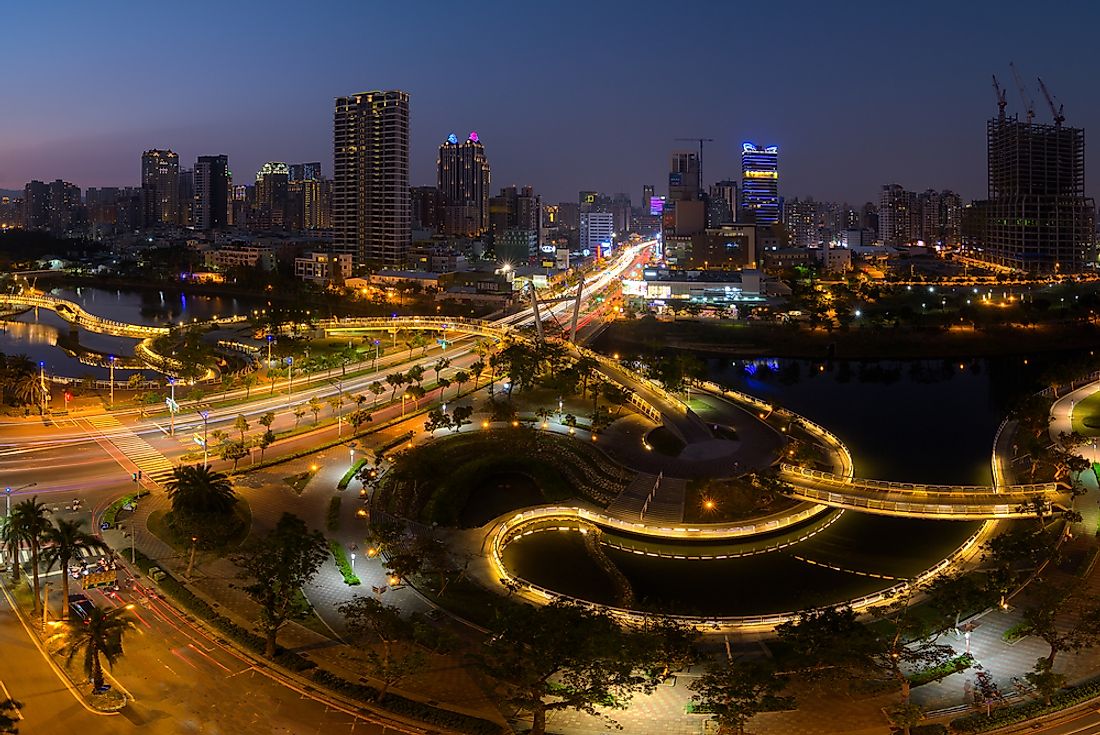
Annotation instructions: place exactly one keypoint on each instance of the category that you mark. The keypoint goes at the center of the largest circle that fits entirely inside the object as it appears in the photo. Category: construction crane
(1002, 99)
(700, 141)
(1059, 118)
(1029, 105)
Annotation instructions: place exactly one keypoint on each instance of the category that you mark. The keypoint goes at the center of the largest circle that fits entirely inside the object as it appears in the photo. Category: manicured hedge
(342, 563)
(350, 474)
(332, 519)
(947, 668)
(1003, 716)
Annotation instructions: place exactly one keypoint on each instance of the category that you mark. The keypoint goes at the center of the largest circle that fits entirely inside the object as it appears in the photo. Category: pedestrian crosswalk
(153, 465)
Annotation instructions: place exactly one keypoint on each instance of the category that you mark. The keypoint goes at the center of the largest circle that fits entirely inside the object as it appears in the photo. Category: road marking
(10, 698)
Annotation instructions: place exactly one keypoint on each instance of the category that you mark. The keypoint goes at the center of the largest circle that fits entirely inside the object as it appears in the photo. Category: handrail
(544, 595)
(1028, 490)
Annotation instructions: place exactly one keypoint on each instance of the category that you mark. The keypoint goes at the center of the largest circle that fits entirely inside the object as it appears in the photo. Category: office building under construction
(1038, 217)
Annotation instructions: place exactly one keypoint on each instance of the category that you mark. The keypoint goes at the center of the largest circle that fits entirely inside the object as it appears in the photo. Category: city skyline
(572, 122)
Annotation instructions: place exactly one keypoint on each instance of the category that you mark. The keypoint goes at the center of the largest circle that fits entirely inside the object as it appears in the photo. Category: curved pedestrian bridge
(75, 314)
(915, 500)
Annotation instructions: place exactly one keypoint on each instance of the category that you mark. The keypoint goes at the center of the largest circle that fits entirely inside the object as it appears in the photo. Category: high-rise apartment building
(36, 206)
(427, 208)
(896, 213)
(271, 194)
(800, 219)
(722, 203)
(213, 187)
(160, 185)
(371, 207)
(760, 183)
(1039, 219)
(463, 182)
(648, 192)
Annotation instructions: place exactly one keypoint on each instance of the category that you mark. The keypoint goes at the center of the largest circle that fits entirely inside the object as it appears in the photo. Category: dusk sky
(565, 95)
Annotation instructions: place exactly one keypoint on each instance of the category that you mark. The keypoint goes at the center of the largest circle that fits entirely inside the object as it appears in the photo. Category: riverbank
(859, 343)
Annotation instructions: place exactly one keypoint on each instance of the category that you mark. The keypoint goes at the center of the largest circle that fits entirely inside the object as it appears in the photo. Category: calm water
(36, 334)
(927, 421)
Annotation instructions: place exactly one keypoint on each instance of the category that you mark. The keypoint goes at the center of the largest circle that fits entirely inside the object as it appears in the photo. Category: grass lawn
(1086, 416)
(299, 481)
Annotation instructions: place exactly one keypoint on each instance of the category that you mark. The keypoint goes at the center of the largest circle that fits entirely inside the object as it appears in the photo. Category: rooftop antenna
(1056, 112)
(1029, 105)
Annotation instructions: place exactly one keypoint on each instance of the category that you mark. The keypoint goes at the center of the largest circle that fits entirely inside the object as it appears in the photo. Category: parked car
(81, 606)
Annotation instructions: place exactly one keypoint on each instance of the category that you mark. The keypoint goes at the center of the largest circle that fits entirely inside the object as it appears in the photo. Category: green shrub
(111, 514)
(342, 563)
(350, 474)
(947, 668)
(1015, 633)
(1003, 716)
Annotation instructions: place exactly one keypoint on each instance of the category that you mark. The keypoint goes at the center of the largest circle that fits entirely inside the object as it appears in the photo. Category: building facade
(1040, 220)
(760, 183)
(463, 183)
(371, 207)
(213, 188)
(160, 185)
(597, 232)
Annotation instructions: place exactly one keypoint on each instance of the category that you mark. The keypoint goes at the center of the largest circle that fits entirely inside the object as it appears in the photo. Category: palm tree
(97, 637)
(377, 389)
(65, 540)
(315, 408)
(395, 380)
(461, 377)
(197, 489)
(30, 523)
(476, 370)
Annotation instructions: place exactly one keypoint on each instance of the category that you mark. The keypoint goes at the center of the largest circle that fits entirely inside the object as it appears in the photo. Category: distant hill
(13, 193)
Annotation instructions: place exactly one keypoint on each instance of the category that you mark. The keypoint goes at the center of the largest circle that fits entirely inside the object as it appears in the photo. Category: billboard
(656, 206)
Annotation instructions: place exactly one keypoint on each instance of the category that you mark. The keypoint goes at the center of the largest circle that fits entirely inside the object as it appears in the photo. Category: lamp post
(8, 491)
(172, 408)
(205, 417)
(289, 374)
(270, 339)
(191, 563)
(111, 365)
(374, 365)
(42, 384)
(404, 397)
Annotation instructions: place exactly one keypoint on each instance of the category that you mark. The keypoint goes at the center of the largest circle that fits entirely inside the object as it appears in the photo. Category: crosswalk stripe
(151, 462)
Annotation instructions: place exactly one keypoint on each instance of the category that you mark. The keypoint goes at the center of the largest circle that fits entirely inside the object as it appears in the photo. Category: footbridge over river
(75, 314)
(915, 500)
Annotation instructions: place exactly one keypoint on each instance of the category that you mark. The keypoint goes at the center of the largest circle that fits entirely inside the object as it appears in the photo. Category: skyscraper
(760, 183)
(271, 194)
(722, 203)
(212, 191)
(683, 177)
(160, 177)
(36, 205)
(1040, 220)
(896, 213)
(371, 207)
(463, 179)
(800, 221)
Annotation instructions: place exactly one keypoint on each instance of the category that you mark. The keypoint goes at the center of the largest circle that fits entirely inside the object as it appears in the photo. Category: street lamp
(404, 397)
(42, 384)
(374, 365)
(270, 339)
(289, 374)
(205, 417)
(172, 408)
(111, 365)
(8, 491)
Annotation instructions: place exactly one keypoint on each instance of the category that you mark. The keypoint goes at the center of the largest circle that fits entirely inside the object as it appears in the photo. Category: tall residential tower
(371, 207)
(160, 181)
(463, 179)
